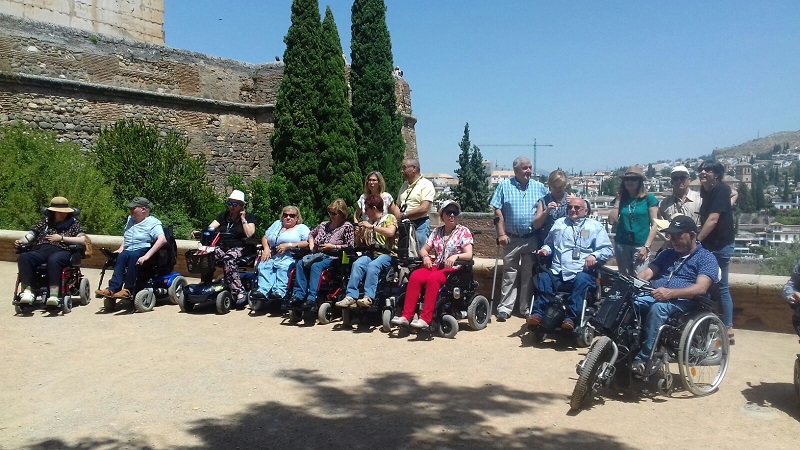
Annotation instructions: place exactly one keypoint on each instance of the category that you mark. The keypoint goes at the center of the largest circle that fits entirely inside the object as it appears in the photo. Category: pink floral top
(445, 247)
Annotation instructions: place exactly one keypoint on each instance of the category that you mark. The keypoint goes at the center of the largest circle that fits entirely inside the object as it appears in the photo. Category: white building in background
(779, 234)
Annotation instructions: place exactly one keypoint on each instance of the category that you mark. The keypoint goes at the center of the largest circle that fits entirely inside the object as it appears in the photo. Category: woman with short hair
(281, 237)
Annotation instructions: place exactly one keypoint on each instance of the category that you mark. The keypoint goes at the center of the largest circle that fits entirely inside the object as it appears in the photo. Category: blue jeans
(367, 269)
(126, 270)
(307, 287)
(551, 284)
(655, 314)
(423, 230)
(723, 256)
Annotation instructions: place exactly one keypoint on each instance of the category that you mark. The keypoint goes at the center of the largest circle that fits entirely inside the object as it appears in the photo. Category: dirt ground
(164, 379)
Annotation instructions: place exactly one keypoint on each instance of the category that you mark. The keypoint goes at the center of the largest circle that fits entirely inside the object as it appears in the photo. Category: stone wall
(73, 82)
(141, 20)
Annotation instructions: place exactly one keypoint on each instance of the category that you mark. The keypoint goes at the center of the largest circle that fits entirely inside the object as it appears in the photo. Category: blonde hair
(557, 178)
(297, 211)
(381, 183)
(339, 206)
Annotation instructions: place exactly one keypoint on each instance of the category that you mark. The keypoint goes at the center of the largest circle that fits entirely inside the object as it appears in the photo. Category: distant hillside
(760, 145)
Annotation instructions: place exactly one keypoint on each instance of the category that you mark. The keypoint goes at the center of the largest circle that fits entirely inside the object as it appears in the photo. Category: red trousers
(432, 279)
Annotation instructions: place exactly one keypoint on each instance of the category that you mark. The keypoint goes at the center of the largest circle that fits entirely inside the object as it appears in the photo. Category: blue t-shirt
(676, 272)
(141, 235)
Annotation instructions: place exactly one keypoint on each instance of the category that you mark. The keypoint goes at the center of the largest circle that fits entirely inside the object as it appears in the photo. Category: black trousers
(56, 258)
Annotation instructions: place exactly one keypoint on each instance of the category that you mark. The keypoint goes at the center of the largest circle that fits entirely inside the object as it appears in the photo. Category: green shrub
(36, 168)
(782, 262)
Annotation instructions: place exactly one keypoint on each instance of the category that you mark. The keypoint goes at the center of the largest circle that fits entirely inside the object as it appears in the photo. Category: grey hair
(520, 160)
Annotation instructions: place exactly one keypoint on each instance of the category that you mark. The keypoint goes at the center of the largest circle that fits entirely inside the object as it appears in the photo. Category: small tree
(787, 194)
(745, 202)
(651, 171)
(472, 191)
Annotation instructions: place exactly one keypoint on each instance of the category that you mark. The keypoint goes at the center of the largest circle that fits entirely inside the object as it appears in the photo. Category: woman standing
(635, 217)
(373, 184)
(327, 237)
(717, 229)
(276, 260)
(552, 206)
(448, 243)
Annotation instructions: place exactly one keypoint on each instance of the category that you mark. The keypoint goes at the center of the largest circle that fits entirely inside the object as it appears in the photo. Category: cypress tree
(294, 142)
(472, 192)
(379, 133)
(338, 165)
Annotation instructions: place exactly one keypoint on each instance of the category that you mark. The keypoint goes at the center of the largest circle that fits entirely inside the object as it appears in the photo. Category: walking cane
(494, 277)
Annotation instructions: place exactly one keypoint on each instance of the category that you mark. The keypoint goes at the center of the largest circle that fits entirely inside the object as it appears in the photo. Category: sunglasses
(451, 212)
(289, 216)
(333, 213)
(705, 169)
(574, 208)
(631, 179)
(679, 178)
(234, 204)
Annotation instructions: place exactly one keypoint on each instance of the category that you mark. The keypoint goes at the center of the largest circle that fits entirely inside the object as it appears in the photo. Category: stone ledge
(758, 303)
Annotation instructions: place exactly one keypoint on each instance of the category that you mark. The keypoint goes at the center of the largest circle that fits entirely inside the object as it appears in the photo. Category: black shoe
(309, 304)
(295, 302)
(502, 316)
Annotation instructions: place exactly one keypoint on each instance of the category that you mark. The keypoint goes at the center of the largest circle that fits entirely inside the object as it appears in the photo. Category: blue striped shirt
(517, 205)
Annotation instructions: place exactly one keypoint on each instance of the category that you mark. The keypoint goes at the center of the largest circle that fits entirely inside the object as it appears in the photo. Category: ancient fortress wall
(141, 20)
(72, 82)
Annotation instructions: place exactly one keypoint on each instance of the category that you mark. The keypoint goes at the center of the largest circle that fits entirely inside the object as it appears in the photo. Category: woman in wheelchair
(281, 237)
(326, 238)
(677, 275)
(449, 243)
(50, 237)
(377, 233)
(237, 224)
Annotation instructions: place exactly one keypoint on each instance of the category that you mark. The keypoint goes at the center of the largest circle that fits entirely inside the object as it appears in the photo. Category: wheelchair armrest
(464, 263)
(23, 248)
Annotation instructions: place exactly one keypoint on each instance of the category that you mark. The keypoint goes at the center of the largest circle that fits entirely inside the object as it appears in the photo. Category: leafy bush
(138, 160)
(782, 262)
(36, 168)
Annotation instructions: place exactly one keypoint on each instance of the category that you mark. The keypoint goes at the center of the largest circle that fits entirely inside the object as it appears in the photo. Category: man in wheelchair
(678, 275)
(577, 245)
(141, 231)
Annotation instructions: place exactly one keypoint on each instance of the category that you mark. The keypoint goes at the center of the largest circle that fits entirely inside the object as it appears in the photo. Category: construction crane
(535, 145)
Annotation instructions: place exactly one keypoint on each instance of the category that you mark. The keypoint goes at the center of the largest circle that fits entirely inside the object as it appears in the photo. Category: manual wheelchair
(457, 299)
(73, 284)
(696, 340)
(154, 280)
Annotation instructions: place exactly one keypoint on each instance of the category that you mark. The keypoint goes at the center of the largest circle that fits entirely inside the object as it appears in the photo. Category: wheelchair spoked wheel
(703, 354)
(85, 292)
(66, 304)
(144, 300)
(478, 313)
(223, 302)
(448, 327)
(177, 290)
(325, 313)
(588, 382)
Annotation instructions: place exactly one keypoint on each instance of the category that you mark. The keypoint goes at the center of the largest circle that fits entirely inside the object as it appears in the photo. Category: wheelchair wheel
(478, 312)
(295, 315)
(109, 304)
(325, 313)
(185, 305)
(310, 316)
(66, 304)
(797, 379)
(177, 289)
(587, 383)
(144, 300)
(386, 318)
(85, 292)
(585, 334)
(448, 327)
(347, 318)
(703, 354)
(223, 302)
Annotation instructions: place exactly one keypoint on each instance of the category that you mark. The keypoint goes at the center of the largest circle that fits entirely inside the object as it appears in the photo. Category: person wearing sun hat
(635, 217)
(141, 239)
(51, 237)
(450, 242)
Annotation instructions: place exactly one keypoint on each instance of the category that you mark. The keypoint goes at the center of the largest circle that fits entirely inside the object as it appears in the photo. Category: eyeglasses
(631, 178)
(451, 212)
(234, 204)
(407, 167)
(705, 169)
(574, 208)
(674, 179)
(289, 216)
(333, 213)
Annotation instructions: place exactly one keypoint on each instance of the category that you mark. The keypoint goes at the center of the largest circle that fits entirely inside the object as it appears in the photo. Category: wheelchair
(74, 286)
(457, 299)
(556, 309)
(272, 303)
(331, 286)
(696, 340)
(204, 262)
(155, 279)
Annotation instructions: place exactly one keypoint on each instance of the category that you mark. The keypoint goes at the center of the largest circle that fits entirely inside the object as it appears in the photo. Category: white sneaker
(419, 323)
(346, 302)
(364, 302)
(52, 301)
(399, 321)
(26, 297)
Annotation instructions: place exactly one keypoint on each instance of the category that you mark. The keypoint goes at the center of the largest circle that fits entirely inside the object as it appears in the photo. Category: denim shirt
(587, 236)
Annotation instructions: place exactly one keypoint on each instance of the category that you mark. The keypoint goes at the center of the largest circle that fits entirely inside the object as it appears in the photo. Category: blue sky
(608, 84)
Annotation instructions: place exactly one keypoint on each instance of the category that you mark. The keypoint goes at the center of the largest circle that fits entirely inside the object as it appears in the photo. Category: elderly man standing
(683, 200)
(415, 199)
(514, 202)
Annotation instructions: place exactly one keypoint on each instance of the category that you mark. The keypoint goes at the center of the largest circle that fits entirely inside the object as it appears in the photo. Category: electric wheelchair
(155, 279)
(332, 284)
(696, 340)
(74, 287)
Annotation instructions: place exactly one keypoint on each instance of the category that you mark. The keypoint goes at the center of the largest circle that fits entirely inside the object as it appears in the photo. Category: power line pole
(535, 146)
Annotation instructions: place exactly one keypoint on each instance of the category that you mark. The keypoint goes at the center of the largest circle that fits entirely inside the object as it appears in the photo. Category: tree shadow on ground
(780, 396)
(391, 410)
